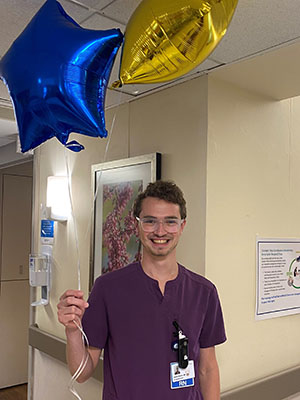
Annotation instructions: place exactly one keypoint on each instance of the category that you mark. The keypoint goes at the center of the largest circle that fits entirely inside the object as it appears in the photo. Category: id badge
(180, 377)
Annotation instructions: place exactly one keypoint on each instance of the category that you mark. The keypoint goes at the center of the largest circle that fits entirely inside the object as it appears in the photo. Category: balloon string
(74, 221)
(82, 365)
(84, 337)
(101, 171)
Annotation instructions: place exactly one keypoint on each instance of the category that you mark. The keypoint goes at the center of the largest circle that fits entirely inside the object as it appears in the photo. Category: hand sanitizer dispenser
(40, 273)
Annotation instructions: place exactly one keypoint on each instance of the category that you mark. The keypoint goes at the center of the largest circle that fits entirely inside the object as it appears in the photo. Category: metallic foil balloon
(165, 39)
(57, 74)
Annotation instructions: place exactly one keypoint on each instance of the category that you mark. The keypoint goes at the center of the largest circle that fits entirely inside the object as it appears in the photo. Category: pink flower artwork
(120, 243)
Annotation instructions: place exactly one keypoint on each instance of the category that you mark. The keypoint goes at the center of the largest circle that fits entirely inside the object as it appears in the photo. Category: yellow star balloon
(165, 39)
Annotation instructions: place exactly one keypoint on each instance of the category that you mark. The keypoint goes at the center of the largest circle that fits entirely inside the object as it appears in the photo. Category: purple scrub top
(132, 321)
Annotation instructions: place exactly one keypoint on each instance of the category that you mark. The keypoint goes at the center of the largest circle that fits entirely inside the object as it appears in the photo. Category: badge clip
(181, 346)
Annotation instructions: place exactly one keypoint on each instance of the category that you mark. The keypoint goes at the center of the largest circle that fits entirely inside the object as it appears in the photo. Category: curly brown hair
(164, 190)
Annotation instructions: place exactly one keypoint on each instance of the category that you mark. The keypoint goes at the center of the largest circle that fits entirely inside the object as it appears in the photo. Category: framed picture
(116, 185)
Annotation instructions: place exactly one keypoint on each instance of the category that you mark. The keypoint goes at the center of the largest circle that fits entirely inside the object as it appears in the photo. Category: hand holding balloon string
(71, 308)
(72, 305)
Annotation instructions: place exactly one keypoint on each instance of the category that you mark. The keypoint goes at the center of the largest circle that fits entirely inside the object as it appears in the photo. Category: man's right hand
(71, 307)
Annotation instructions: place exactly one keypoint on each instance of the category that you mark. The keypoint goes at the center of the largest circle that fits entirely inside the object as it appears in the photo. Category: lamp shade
(58, 199)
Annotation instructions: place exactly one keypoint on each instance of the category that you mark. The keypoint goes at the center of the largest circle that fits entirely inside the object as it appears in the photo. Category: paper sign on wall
(278, 277)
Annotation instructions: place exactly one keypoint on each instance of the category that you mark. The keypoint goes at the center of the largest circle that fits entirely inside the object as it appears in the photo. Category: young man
(145, 314)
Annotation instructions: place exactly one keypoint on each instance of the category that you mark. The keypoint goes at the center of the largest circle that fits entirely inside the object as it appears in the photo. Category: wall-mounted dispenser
(40, 273)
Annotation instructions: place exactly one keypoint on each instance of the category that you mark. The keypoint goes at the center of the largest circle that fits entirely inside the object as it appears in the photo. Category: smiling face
(159, 243)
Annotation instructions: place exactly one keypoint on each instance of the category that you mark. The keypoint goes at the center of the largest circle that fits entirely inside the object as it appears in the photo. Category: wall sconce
(58, 199)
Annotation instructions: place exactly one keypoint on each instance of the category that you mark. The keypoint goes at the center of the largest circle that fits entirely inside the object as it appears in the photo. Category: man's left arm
(209, 374)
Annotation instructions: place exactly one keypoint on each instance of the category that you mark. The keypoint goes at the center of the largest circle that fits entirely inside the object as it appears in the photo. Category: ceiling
(257, 28)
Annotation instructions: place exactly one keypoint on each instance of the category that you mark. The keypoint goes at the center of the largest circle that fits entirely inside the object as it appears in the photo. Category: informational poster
(278, 277)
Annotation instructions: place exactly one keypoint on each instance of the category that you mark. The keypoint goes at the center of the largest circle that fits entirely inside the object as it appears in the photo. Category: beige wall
(235, 156)
(172, 122)
(8, 154)
(55, 160)
(51, 379)
(253, 188)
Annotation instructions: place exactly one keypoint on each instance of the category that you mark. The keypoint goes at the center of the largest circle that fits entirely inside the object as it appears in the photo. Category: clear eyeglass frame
(170, 225)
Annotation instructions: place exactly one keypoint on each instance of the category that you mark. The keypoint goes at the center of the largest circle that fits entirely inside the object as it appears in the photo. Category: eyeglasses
(151, 224)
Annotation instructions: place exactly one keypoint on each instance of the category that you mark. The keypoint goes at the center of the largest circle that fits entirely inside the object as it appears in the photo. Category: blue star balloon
(57, 75)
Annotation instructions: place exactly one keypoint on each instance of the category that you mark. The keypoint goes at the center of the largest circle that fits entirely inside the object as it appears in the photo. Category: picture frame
(115, 185)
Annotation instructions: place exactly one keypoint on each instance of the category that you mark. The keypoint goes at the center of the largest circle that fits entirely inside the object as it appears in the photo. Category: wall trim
(56, 348)
(275, 387)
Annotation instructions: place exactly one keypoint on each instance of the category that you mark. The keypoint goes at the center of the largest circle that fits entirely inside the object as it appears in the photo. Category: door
(14, 289)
